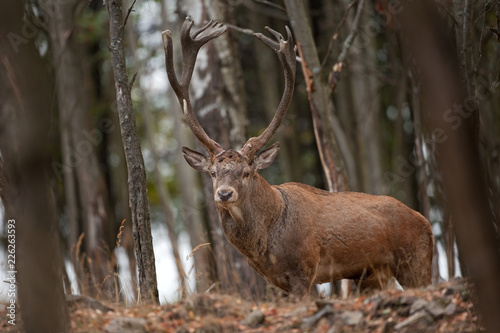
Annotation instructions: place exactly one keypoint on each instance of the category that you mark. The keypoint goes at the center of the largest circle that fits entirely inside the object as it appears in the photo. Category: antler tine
(286, 54)
(191, 44)
(169, 62)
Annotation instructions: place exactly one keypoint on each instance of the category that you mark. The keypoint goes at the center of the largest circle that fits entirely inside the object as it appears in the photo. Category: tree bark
(28, 198)
(456, 152)
(268, 74)
(422, 165)
(464, 12)
(220, 108)
(163, 193)
(489, 106)
(343, 118)
(365, 102)
(318, 95)
(192, 201)
(138, 199)
(117, 182)
(87, 198)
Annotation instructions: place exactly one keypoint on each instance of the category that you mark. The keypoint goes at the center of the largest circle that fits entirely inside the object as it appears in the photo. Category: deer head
(232, 171)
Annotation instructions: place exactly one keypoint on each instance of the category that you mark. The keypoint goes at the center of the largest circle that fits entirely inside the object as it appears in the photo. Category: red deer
(293, 234)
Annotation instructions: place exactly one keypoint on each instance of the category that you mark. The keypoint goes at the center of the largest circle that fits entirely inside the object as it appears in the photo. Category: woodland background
(397, 102)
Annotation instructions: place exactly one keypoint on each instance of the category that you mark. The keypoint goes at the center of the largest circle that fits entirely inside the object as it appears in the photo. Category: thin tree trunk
(318, 95)
(449, 244)
(401, 187)
(421, 165)
(268, 76)
(164, 196)
(118, 183)
(366, 104)
(343, 117)
(138, 199)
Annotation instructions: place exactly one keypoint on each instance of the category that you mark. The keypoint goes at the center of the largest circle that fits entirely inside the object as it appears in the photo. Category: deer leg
(301, 279)
(420, 266)
(300, 286)
(377, 278)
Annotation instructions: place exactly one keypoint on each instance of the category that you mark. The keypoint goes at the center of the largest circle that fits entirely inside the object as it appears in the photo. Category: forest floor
(445, 307)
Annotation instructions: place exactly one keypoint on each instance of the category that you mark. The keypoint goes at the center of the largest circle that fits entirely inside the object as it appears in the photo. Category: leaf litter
(445, 307)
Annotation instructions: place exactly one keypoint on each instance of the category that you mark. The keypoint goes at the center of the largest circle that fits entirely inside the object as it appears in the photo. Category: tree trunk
(192, 208)
(464, 29)
(401, 186)
(336, 33)
(318, 95)
(488, 97)
(164, 196)
(138, 199)
(30, 208)
(118, 188)
(366, 104)
(188, 183)
(87, 197)
(421, 165)
(221, 109)
(269, 76)
(456, 152)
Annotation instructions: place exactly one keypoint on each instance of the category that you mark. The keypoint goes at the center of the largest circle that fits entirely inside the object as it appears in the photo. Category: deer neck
(246, 224)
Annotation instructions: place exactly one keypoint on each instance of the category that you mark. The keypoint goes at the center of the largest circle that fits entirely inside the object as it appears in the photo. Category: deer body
(296, 235)
(293, 234)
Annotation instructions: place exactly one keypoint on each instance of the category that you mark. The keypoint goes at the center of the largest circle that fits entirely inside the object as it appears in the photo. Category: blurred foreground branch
(457, 152)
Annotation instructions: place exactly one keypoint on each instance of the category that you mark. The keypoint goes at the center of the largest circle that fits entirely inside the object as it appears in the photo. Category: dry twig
(196, 249)
(336, 33)
(120, 232)
(334, 76)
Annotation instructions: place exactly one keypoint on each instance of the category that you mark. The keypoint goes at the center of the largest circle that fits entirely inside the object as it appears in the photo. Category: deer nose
(225, 195)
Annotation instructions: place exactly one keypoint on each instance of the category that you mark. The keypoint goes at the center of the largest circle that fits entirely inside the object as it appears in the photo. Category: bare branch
(496, 30)
(263, 8)
(128, 13)
(334, 76)
(245, 31)
(336, 182)
(270, 4)
(132, 81)
(336, 33)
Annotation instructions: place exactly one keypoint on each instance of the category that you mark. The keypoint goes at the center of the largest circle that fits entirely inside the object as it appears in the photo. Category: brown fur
(296, 235)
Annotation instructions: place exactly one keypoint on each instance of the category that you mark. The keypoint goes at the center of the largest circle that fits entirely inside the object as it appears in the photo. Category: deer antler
(286, 54)
(191, 44)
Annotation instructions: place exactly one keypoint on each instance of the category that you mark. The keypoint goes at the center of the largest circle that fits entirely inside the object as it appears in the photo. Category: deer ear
(266, 158)
(196, 160)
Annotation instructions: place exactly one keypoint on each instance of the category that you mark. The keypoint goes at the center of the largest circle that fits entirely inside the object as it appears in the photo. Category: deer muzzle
(225, 195)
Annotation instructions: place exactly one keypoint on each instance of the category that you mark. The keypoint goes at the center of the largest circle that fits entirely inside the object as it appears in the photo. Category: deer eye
(246, 174)
(212, 174)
